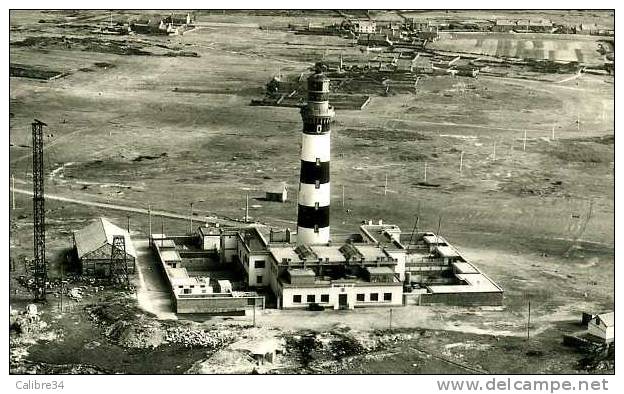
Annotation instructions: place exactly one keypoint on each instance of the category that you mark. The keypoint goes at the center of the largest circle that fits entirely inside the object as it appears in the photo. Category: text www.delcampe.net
(509, 384)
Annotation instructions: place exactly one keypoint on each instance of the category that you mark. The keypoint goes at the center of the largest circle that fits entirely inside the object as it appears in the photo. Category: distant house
(93, 245)
(504, 25)
(147, 26)
(178, 19)
(374, 40)
(277, 193)
(603, 326)
(418, 25)
(587, 28)
(364, 26)
(541, 26)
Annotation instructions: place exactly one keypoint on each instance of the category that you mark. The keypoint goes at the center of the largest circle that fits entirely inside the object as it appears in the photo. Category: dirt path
(117, 207)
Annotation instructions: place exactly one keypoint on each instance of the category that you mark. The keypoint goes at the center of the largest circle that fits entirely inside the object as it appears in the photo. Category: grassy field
(535, 214)
(556, 47)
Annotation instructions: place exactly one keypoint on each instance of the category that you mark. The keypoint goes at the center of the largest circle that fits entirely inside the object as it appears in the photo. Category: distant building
(523, 25)
(418, 25)
(504, 25)
(587, 28)
(374, 40)
(93, 245)
(603, 326)
(277, 193)
(364, 26)
(541, 26)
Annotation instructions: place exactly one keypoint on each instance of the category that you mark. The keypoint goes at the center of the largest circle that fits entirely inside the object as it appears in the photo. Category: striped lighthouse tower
(314, 193)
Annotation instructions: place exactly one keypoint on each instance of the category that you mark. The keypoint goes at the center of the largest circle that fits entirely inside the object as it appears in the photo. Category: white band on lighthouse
(315, 147)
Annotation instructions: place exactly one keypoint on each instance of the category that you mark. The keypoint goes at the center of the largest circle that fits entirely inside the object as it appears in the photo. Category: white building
(603, 326)
(364, 26)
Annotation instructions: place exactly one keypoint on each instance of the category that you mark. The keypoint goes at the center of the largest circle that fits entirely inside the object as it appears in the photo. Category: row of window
(310, 298)
(360, 297)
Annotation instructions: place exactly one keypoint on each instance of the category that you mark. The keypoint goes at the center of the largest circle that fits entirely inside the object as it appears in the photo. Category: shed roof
(330, 253)
(446, 251)
(380, 270)
(434, 240)
(98, 234)
(608, 319)
(371, 252)
(301, 272)
(170, 255)
(464, 268)
(286, 252)
(277, 188)
(209, 230)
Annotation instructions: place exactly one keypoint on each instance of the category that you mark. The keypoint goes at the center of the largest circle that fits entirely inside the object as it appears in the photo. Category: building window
(324, 297)
(319, 128)
(259, 279)
(186, 291)
(374, 297)
(310, 298)
(260, 264)
(387, 296)
(318, 162)
(360, 297)
(317, 184)
(297, 298)
(316, 230)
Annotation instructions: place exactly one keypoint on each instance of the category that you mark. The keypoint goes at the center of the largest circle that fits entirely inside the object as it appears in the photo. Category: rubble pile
(144, 335)
(26, 323)
(190, 337)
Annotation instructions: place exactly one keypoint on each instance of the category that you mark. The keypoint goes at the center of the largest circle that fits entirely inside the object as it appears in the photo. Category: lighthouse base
(307, 236)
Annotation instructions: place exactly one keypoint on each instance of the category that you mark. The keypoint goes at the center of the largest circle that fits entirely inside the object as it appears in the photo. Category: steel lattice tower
(118, 263)
(40, 269)
(314, 186)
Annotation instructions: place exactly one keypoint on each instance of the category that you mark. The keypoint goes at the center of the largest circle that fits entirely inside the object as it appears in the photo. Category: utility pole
(128, 225)
(149, 215)
(62, 288)
(461, 162)
(13, 191)
(524, 141)
(162, 231)
(246, 207)
(191, 220)
(40, 265)
(494, 154)
(425, 172)
(254, 312)
(552, 138)
(343, 196)
(386, 186)
(529, 322)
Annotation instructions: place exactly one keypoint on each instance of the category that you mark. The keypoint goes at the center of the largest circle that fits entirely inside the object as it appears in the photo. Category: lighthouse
(314, 190)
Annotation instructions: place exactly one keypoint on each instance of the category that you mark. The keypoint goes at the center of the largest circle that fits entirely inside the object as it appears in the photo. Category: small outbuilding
(603, 326)
(277, 193)
(93, 245)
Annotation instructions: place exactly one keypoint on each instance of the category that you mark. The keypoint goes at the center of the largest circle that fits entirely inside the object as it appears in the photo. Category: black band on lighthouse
(309, 217)
(312, 126)
(318, 96)
(311, 172)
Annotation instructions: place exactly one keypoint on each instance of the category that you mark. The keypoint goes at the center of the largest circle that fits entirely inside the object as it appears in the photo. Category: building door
(342, 301)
